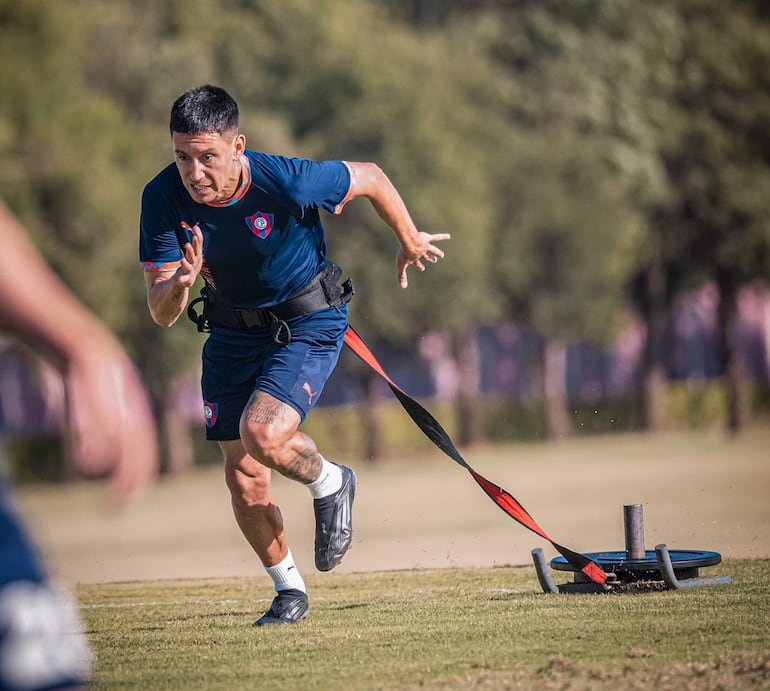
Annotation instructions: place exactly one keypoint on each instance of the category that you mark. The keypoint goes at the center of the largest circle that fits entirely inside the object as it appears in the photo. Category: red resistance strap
(436, 433)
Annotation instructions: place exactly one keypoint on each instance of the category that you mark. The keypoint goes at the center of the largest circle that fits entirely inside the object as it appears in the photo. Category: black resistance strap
(436, 433)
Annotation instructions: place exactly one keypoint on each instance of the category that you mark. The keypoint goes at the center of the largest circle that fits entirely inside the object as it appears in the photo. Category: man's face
(209, 164)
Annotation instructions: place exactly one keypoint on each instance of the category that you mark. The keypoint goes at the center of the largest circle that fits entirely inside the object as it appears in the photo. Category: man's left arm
(416, 247)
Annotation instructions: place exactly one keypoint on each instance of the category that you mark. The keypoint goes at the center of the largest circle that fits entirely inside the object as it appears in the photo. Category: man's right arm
(168, 291)
(166, 297)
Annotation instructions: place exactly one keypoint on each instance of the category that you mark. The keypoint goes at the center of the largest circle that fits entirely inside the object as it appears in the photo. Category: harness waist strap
(322, 292)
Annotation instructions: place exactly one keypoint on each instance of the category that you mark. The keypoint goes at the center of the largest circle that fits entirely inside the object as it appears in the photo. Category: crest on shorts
(210, 412)
(261, 224)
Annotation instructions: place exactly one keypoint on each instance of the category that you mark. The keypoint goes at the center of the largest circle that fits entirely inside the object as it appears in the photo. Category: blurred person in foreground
(249, 224)
(110, 431)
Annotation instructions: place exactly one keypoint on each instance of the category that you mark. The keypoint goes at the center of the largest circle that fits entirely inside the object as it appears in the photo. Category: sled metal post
(633, 521)
(670, 578)
(543, 574)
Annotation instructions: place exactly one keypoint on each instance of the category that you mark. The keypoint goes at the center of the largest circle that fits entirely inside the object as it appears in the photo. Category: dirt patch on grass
(744, 671)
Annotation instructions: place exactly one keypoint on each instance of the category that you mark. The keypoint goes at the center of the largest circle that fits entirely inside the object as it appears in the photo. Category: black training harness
(322, 292)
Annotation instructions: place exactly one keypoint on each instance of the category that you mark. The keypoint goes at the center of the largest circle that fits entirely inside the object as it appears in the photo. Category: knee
(263, 442)
(248, 488)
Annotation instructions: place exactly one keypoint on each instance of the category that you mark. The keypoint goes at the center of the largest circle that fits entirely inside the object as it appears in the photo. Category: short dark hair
(204, 109)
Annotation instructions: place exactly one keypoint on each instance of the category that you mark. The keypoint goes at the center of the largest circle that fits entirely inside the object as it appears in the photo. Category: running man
(249, 224)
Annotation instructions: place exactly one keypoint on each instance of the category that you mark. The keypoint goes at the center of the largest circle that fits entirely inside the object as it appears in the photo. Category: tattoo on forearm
(176, 293)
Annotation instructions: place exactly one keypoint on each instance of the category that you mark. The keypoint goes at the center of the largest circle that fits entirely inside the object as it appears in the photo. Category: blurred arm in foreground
(110, 426)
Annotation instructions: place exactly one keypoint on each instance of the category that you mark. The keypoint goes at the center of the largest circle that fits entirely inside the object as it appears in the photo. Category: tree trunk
(554, 363)
(468, 395)
(175, 440)
(372, 425)
(735, 378)
(179, 453)
(656, 315)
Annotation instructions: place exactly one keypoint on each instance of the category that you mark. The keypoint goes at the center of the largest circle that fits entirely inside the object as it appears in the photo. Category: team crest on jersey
(210, 412)
(260, 224)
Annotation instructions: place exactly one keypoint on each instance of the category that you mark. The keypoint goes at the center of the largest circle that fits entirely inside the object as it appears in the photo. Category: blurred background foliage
(591, 158)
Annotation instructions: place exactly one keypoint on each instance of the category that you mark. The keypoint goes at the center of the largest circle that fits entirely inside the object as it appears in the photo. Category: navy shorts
(237, 363)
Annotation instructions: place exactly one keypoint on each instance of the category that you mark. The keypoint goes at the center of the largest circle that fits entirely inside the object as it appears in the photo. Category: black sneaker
(288, 607)
(334, 523)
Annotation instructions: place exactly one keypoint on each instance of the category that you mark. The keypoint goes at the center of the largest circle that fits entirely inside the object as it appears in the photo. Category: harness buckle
(280, 331)
(200, 320)
(348, 291)
(335, 293)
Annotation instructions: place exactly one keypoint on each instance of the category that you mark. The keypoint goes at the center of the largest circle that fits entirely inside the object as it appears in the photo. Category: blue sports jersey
(261, 247)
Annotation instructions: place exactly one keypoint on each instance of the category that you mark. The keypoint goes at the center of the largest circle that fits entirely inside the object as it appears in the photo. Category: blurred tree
(564, 247)
(717, 157)
(629, 108)
(565, 232)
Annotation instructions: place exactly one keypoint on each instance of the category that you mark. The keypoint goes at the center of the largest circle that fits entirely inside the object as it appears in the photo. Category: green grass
(435, 629)
(433, 594)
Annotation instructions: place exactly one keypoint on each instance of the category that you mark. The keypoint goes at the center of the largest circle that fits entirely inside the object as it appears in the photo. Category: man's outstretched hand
(425, 252)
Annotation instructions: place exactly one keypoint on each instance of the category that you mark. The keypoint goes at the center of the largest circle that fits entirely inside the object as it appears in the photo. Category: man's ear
(239, 145)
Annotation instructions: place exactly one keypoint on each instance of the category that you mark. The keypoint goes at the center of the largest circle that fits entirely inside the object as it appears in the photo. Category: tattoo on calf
(305, 468)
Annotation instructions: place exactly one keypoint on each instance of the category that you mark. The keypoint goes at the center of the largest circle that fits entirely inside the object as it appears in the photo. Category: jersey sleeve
(159, 248)
(303, 184)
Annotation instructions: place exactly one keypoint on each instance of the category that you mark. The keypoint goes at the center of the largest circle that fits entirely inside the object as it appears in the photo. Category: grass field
(435, 629)
(438, 590)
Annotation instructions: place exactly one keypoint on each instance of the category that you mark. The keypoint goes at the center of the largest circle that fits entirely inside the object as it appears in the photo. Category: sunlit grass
(448, 628)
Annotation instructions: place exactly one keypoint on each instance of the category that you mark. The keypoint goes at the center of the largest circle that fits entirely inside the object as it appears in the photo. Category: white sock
(286, 575)
(328, 482)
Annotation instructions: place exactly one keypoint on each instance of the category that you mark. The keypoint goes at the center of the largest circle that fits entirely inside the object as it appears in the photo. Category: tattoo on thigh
(263, 414)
